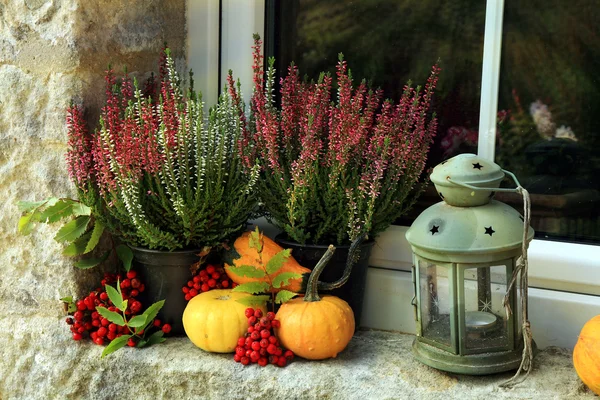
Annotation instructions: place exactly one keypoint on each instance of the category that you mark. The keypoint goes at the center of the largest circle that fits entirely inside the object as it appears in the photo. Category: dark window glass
(549, 97)
(550, 89)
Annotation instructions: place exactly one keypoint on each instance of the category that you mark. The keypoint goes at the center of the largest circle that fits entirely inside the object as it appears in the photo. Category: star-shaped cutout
(477, 166)
(435, 229)
(489, 231)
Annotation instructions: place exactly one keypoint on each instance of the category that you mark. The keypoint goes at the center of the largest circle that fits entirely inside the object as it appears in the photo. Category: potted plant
(163, 178)
(334, 168)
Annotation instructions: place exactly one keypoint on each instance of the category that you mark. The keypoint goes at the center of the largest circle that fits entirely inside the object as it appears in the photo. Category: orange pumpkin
(316, 327)
(242, 254)
(586, 355)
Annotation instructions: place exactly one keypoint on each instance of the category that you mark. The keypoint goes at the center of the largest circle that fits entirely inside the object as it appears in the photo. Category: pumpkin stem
(312, 293)
(353, 256)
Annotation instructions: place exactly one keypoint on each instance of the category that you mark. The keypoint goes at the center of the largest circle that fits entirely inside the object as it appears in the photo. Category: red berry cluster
(211, 277)
(259, 345)
(86, 320)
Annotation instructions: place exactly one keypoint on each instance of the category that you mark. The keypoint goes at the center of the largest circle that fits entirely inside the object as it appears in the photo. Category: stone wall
(53, 52)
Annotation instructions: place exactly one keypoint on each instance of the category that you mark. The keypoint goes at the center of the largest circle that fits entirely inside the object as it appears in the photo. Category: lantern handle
(512, 190)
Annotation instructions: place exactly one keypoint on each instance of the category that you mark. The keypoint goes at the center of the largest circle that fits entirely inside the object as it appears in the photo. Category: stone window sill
(43, 362)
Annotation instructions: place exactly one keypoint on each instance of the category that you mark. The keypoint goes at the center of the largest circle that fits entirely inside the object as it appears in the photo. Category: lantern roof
(486, 233)
(469, 169)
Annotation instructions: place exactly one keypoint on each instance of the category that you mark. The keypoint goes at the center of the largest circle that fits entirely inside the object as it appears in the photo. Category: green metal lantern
(465, 252)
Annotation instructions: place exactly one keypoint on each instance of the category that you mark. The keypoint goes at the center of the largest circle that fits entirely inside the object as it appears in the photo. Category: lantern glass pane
(486, 324)
(435, 302)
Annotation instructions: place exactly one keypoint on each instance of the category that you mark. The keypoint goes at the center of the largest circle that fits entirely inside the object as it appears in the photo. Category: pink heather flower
(79, 158)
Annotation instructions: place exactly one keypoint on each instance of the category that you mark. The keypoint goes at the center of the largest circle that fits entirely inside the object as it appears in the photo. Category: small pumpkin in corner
(586, 355)
(215, 320)
(316, 327)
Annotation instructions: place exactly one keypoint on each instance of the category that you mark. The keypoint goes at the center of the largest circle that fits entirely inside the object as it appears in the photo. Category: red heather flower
(79, 157)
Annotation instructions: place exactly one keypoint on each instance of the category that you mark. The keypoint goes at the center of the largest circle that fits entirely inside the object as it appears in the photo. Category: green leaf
(277, 261)
(254, 301)
(283, 279)
(252, 287)
(284, 295)
(137, 321)
(151, 313)
(115, 296)
(91, 262)
(248, 271)
(156, 337)
(78, 246)
(25, 225)
(25, 206)
(255, 240)
(63, 208)
(81, 209)
(125, 255)
(72, 230)
(115, 345)
(95, 238)
(71, 306)
(112, 316)
(141, 343)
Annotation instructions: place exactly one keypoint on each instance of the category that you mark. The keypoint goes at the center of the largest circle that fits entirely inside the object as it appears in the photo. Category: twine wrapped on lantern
(469, 253)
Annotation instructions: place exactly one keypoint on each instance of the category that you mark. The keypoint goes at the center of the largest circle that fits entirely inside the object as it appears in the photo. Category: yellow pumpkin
(316, 327)
(586, 355)
(215, 320)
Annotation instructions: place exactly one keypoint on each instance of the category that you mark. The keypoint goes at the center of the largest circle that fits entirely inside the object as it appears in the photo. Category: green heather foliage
(335, 165)
(161, 175)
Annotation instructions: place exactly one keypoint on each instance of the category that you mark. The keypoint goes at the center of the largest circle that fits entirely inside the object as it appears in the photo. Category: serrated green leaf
(115, 345)
(277, 261)
(78, 246)
(252, 287)
(73, 229)
(25, 206)
(254, 301)
(95, 237)
(156, 337)
(71, 307)
(151, 313)
(248, 271)
(137, 321)
(125, 255)
(63, 208)
(26, 222)
(283, 279)
(255, 240)
(81, 209)
(284, 295)
(91, 262)
(115, 296)
(112, 316)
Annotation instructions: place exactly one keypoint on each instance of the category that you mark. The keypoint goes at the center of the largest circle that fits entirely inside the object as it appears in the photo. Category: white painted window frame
(565, 277)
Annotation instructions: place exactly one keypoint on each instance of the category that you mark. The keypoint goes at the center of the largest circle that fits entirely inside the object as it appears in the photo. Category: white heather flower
(565, 132)
(543, 119)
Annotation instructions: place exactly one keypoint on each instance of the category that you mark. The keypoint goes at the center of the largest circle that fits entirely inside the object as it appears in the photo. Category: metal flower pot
(164, 273)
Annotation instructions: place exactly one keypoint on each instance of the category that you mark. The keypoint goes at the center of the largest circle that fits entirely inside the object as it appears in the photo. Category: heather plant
(157, 172)
(333, 169)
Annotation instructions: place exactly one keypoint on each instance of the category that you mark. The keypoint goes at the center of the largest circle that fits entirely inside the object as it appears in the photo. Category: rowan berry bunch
(97, 315)
(211, 277)
(259, 345)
